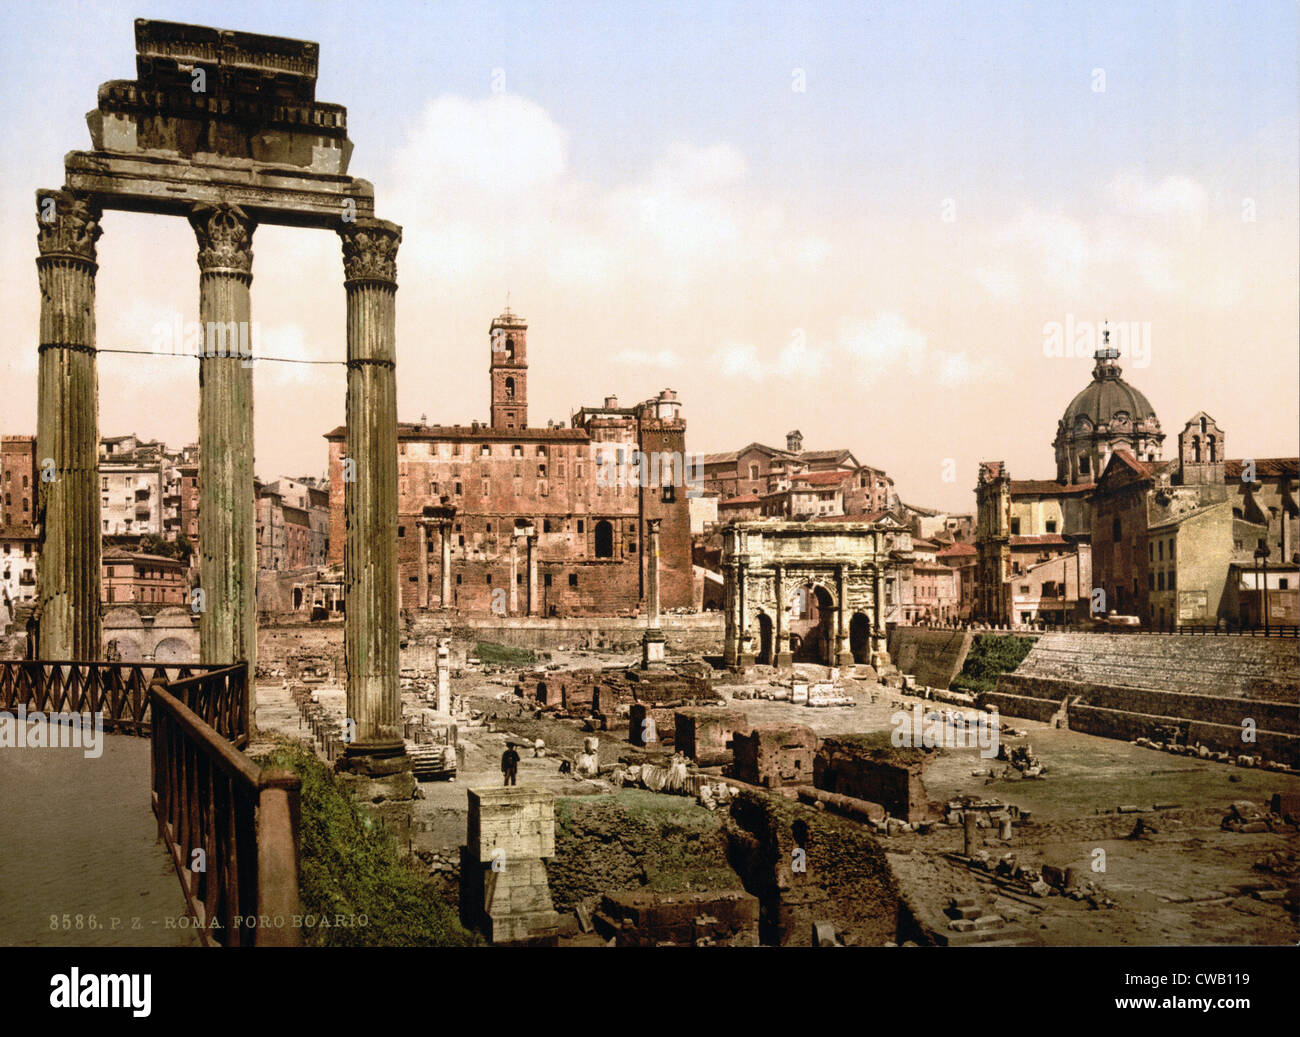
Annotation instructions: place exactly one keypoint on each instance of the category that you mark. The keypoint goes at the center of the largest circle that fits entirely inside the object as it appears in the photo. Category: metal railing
(120, 691)
(230, 826)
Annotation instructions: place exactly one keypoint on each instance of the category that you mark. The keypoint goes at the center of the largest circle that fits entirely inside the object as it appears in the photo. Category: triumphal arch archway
(223, 129)
(811, 591)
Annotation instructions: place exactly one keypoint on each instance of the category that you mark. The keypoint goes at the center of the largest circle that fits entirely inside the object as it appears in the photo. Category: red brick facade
(564, 483)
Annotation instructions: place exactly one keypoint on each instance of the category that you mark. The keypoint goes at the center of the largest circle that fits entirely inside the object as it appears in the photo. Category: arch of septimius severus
(222, 128)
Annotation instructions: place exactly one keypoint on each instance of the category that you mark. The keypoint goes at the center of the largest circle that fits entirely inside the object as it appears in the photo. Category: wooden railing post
(277, 859)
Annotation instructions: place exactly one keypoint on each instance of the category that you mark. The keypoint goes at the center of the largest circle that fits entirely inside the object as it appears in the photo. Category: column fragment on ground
(67, 428)
(227, 518)
(370, 496)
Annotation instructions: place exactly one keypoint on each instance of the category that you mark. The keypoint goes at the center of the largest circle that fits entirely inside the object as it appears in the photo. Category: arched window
(1196, 449)
(1210, 450)
(510, 347)
(604, 540)
(510, 388)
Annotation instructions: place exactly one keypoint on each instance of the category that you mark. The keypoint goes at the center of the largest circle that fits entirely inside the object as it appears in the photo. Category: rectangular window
(580, 525)
(1051, 525)
(546, 580)
(1171, 579)
(573, 579)
(1161, 551)
(1015, 527)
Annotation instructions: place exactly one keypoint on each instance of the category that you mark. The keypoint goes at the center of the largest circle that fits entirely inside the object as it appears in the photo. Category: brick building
(962, 558)
(1174, 541)
(18, 481)
(136, 578)
(1025, 527)
(796, 483)
(540, 520)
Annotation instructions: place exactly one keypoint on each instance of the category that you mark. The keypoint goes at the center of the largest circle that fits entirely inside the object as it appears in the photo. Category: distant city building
(140, 488)
(18, 477)
(1169, 542)
(516, 519)
(1175, 541)
(19, 555)
(795, 483)
(142, 579)
(963, 559)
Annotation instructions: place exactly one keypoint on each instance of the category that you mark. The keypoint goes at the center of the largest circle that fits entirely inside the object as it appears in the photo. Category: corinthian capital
(67, 225)
(225, 235)
(370, 250)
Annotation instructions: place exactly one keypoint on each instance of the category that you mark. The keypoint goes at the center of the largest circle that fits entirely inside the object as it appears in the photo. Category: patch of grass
(991, 655)
(491, 654)
(349, 864)
(636, 839)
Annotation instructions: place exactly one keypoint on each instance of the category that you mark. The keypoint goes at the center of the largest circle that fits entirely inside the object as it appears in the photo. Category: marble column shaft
(652, 573)
(444, 529)
(227, 511)
(422, 530)
(532, 574)
(370, 501)
(66, 496)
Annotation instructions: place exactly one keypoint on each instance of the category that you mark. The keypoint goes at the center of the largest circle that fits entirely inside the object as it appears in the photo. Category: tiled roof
(1033, 487)
(1264, 466)
(958, 549)
(823, 478)
(1040, 540)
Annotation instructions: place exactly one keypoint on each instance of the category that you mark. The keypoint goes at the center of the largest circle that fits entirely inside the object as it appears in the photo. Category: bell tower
(509, 371)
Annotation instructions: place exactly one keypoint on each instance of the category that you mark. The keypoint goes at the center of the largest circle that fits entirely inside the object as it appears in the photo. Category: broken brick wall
(807, 866)
(773, 755)
(859, 766)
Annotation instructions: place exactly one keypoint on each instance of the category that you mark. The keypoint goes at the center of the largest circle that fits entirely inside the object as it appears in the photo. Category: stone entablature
(811, 591)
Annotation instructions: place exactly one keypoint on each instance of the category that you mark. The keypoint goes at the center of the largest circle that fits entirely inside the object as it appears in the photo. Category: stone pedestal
(653, 648)
(503, 885)
(389, 796)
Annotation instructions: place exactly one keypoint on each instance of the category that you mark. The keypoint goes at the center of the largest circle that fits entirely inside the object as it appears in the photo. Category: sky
(873, 223)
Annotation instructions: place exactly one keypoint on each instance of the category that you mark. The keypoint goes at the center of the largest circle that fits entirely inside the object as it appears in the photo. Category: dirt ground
(1189, 882)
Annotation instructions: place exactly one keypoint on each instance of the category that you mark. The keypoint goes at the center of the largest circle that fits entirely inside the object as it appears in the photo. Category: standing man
(510, 765)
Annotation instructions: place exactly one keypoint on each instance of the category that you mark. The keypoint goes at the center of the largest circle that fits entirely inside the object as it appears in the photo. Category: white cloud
(1001, 284)
(886, 344)
(1178, 199)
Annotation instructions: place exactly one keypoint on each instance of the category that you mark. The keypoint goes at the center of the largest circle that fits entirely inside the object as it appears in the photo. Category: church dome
(1107, 415)
(1108, 398)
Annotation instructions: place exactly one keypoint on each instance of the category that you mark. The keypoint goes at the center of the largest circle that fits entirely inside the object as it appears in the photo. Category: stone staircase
(1216, 664)
(972, 925)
